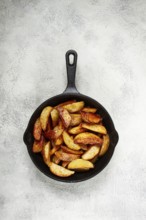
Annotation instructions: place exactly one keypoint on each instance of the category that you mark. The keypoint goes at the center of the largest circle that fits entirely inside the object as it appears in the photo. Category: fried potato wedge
(92, 110)
(65, 116)
(54, 117)
(80, 164)
(76, 130)
(74, 107)
(55, 159)
(90, 117)
(53, 134)
(54, 149)
(38, 145)
(87, 138)
(65, 103)
(65, 163)
(95, 127)
(70, 151)
(37, 130)
(105, 145)
(60, 171)
(45, 116)
(75, 119)
(59, 140)
(66, 156)
(91, 153)
(70, 142)
(46, 153)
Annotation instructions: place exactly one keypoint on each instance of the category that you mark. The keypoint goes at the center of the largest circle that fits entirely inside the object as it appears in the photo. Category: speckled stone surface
(110, 38)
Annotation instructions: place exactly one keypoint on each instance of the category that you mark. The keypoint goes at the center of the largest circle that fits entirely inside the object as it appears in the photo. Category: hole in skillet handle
(71, 64)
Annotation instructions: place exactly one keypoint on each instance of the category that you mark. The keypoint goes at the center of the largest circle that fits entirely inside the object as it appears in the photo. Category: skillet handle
(71, 71)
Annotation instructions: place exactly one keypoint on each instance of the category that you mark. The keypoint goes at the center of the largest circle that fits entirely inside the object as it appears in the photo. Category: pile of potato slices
(70, 137)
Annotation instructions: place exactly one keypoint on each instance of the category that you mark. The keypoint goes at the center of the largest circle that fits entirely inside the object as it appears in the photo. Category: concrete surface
(110, 38)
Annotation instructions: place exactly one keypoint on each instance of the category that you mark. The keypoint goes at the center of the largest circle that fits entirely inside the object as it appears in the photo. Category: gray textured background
(110, 38)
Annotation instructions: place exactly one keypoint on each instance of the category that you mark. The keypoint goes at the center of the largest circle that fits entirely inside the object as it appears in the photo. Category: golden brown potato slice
(75, 119)
(38, 145)
(55, 159)
(92, 110)
(65, 103)
(80, 164)
(70, 151)
(65, 163)
(91, 153)
(105, 145)
(54, 149)
(58, 141)
(54, 117)
(70, 142)
(87, 138)
(74, 107)
(37, 130)
(66, 156)
(95, 127)
(90, 117)
(46, 153)
(45, 116)
(65, 116)
(76, 130)
(53, 134)
(60, 171)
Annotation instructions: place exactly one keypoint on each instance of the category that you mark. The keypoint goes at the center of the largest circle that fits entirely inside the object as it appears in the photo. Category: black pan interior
(100, 163)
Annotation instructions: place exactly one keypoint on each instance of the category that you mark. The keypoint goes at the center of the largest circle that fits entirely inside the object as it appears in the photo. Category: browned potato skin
(65, 103)
(94, 159)
(38, 145)
(65, 163)
(66, 156)
(53, 134)
(90, 117)
(37, 130)
(59, 140)
(60, 124)
(75, 119)
(60, 171)
(105, 145)
(84, 147)
(54, 117)
(54, 149)
(70, 151)
(76, 130)
(65, 116)
(55, 159)
(92, 110)
(87, 138)
(95, 127)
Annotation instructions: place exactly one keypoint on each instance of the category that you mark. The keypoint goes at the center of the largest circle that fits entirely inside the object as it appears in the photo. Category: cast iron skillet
(69, 94)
